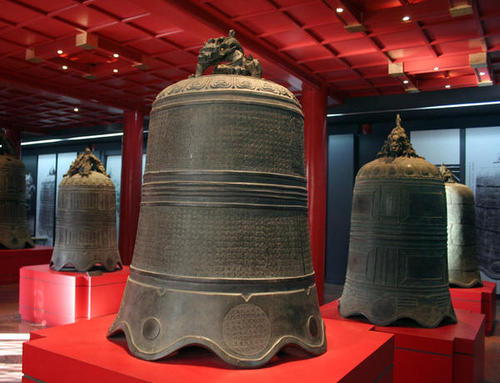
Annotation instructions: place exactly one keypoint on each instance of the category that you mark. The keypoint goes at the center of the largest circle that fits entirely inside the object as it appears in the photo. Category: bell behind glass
(397, 264)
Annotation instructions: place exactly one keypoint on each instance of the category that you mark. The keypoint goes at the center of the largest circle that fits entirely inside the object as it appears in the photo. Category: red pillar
(131, 182)
(314, 102)
(15, 136)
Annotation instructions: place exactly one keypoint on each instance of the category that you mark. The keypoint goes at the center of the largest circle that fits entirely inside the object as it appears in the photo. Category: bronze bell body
(462, 257)
(488, 221)
(14, 230)
(397, 252)
(222, 255)
(86, 218)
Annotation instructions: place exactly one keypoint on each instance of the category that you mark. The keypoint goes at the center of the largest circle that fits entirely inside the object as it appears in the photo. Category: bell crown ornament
(86, 218)
(14, 230)
(397, 251)
(222, 255)
(462, 256)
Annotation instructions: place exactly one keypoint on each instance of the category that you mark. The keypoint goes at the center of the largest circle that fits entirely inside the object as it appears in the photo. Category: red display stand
(452, 353)
(12, 260)
(480, 300)
(53, 298)
(81, 353)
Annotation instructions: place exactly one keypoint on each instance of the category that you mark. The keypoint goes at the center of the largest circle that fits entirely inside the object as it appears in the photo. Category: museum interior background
(77, 73)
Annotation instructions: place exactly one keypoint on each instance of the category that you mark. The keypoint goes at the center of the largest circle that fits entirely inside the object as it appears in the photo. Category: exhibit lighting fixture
(406, 18)
(432, 107)
(115, 70)
(116, 55)
(436, 68)
(405, 81)
(339, 10)
(482, 73)
(77, 138)
(59, 52)
(64, 67)
(75, 109)
(447, 86)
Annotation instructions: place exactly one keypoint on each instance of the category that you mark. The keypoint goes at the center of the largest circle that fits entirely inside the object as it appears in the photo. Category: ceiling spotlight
(64, 67)
(59, 52)
(406, 18)
(436, 68)
(405, 81)
(447, 86)
(482, 73)
(339, 10)
(115, 70)
(116, 55)
(75, 109)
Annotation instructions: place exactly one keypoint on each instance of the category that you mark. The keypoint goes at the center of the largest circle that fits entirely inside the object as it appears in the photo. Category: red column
(131, 182)
(15, 136)
(314, 102)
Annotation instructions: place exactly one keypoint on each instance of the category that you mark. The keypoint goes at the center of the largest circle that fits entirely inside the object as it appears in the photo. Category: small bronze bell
(397, 252)
(222, 255)
(462, 258)
(14, 231)
(86, 218)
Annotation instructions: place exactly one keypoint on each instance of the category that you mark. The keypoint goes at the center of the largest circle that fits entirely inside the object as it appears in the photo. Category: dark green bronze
(462, 258)
(397, 253)
(14, 230)
(222, 255)
(86, 218)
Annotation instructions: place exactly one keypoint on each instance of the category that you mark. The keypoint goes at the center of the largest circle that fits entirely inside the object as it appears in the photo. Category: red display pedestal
(12, 260)
(81, 353)
(480, 300)
(54, 298)
(452, 353)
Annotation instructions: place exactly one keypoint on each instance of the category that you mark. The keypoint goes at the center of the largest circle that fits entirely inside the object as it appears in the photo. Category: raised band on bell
(397, 266)
(222, 255)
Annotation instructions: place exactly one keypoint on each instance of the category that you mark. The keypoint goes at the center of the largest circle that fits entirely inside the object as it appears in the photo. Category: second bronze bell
(397, 265)
(86, 218)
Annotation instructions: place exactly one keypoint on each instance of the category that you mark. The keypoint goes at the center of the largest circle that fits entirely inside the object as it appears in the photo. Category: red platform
(479, 300)
(81, 353)
(54, 298)
(452, 353)
(12, 260)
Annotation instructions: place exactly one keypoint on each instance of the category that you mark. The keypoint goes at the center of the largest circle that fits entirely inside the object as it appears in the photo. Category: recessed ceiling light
(405, 81)
(447, 86)
(436, 68)
(64, 67)
(482, 73)
(339, 10)
(406, 18)
(59, 52)
(115, 70)
(116, 55)
(75, 109)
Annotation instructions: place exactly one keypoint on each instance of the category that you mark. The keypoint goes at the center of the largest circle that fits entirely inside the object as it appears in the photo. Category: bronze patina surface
(14, 230)
(222, 256)
(462, 257)
(86, 218)
(397, 264)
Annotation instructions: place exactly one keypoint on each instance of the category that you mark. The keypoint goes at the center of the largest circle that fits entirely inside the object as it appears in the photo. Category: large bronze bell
(397, 252)
(86, 218)
(222, 255)
(462, 258)
(488, 220)
(14, 230)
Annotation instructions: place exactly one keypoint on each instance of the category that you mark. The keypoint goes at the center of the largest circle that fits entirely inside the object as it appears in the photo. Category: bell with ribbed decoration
(397, 264)
(462, 257)
(14, 230)
(86, 218)
(222, 257)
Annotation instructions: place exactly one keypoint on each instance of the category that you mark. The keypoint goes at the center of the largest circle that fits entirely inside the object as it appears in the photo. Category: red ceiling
(297, 41)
